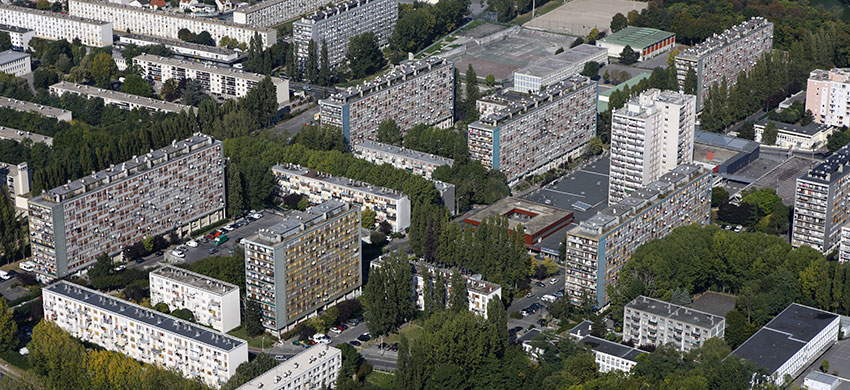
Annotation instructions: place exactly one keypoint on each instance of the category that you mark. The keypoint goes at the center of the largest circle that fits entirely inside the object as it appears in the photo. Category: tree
(747, 131)
(629, 56)
(595, 146)
(690, 84)
(719, 196)
(162, 307)
(388, 295)
(768, 135)
(576, 42)
(193, 93)
(56, 357)
(170, 90)
(136, 85)
(304, 203)
(367, 218)
(325, 75)
(824, 365)
(102, 68)
(292, 66)
(592, 36)
(459, 300)
(42, 5)
(389, 132)
(591, 69)
(235, 200)
(8, 327)
(184, 314)
(837, 140)
(490, 80)
(472, 93)
(807, 118)
(311, 67)
(364, 55)
(606, 77)
(618, 22)
(252, 318)
(43, 78)
(5, 41)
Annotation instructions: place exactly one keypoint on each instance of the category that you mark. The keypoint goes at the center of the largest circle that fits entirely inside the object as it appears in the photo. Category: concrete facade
(56, 26)
(213, 303)
(828, 96)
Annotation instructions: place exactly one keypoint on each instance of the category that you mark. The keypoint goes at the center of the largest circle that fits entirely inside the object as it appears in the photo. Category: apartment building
(413, 93)
(725, 56)
(389, 205)
(828, 96)
(821, 203)
(217, 54)
(218, 80)
(479, 292)
(143, 334)
(119, 99)
(177, 188)
(600, 246)
(305, 264)
(792, 136)
(20, 135)
(40, 109)
(415, 162)
(611, 356)
(20, 36)
(529, 134)
(548, 71)
(647, 42)
(316, 367)
(649, 321)
(270, 13)
(15, 63)
(213, 303)
(56, 26)
(447, 195)
(844, 245)
(652, 134)
(790, 342)
(336, 25)
(147, 21)
(18, 181)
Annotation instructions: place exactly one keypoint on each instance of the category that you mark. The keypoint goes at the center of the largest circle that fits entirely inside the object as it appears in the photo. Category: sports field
(578, 17)
(504, 56)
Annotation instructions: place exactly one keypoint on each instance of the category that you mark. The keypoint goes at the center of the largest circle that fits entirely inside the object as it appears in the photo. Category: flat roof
(14, 29)
(528, 336)
(582, 329)
(637, 37)
(683, 314)
(784, 336)
(724, 141)
(177, 15)
(91, 91)
(584, 191)
(153, 318)
(296, 221)
(831, 169)
(399, 73)
(20, 135)
(194, 279)
(715, 303)
(514, 108)
(611, 348)
(546, 66)
(732, 34)
(353, 185)
(782, 177)
(427, 158)
(205, 67)
(807, 130)
(25, 106)
(9, 56)
(176, 42)
(296, 366)
(539, 216)
(55, 15)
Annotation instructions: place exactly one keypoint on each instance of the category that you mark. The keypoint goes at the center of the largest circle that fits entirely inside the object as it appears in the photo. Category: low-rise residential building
(550, 70)
(521, 134)
(649, 321)
(20, 36)
(178, 188)
(844, 246)
(17, 180)
(600, 246)
(305, 264)
(15, 63)
(316, 367)
(388, 205)
(828, 96)
(120, 99)
(447, 194)
(268, 13)
(147, 21)
(611, 356)
(213, 303)
(218, 80)
(413, 93)
(56, 26)
(20, 135)
(415, 162)
(821, 203)
(217, 54)
(335, 25)
(790, 342)
(144, 334)
(40, 109)
(796, 137)
(646, 42)
(538, 221)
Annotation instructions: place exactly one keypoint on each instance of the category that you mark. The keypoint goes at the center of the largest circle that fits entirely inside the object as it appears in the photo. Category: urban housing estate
(551, 70)
(821, 203)
(177, 188)
(413, 93)
(268, 13)
(415, 162)
(213, 303)
(649, 321)
(308, 262)
(19, 36)
(600, 246)
(316, 367)
(119, 99)
(144, 334)
(828, 96)
(56, 26)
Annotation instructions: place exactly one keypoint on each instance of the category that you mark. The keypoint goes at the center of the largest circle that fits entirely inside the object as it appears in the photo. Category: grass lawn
(15, 359)
(522, 19)
(411, 331)
(380, 380)
(255, 342)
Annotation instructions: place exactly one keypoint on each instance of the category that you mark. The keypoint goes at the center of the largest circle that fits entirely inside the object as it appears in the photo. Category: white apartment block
(40, 109)
(415, 162)
(337, 24)
(218, 80)
(56, 26)
(479, 292)
(20, 135)
(18, 181)
(15, 63)
(119, 99)
(213, 303)
(529, 134)
(187, 49)
(553, 69)
(194, 351)
(269, 13)
(413, 93)
(315, 368)
(20, 36)
(611, 356)
(389, 205)
(725, 56)
(652, 134)
(649, 321)
(164, 24)
(821, 203)
(844, 246)
(828, 96)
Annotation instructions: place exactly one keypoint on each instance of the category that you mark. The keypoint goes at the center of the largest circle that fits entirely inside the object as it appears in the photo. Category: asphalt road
(10, 293)
(520, 303)
(294, 125)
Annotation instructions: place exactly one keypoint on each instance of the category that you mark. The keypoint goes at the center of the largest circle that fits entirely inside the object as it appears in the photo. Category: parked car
(12, 273)
(364, 337)
(394, 347)
(160, 253)
(542, 322)
(257, 215)
(177, 253)
(559, 293)
(120, 268)
(28, 266)
(229, 228)
(140, 260)
(738, 228)
(548, 298)
(213, 250)
(280, 358)
(210, 235)
(336, 330)
(354, 343)
(5, 275)
(553, 281)
(539, 284)
(529, 295)
(192, 244)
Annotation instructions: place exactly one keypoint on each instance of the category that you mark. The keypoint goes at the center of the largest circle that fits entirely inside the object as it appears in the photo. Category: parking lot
(524, 302)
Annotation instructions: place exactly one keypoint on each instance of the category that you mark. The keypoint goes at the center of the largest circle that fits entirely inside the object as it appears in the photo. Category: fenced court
(578, 17)
(501, 57)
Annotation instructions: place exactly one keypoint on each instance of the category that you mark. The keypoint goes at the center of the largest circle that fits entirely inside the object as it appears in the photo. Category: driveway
(294, 125)
(523, 302)
(11, 293)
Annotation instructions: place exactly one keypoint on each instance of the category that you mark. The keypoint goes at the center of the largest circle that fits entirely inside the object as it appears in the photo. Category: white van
(28, 266)
(548, 298)
(4, 275)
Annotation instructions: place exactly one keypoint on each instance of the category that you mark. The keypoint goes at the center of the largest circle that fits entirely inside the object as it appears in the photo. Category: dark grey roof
(137, 313)
(724, 141)
(611, 348)
(297, 221)
(582, 329)
(830, 170)
(808, 130)
(683, 314)
(528, 336)
(515, 109)
(801, 322)
(11, 56)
